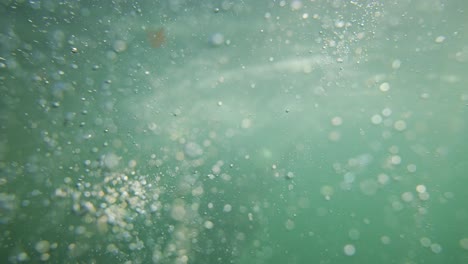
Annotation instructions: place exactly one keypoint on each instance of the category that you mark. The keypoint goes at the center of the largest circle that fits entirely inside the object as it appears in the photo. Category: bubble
(42, 246)
(22, 256)
(397, 206)
(424, 196)
(193, 150)
(327, 191)
(439, 39)
(120, 46)
(337, 121)
(339, 23)
(396, 64)
(421, 188)
(425, 242)
(208, 224)
(296, 5)
(289, 224)
(110, 160)
(384, 87)
(383, 178)
(178, 212)
(376, 119)
(217, 39)
(354, 234)
(464, 243)
(246, 123)
(386, 112)
(349, 177)
(436, 248)
(227, 208)
(400, 125)
(369, 187)
(385, 240)
(349, 250)
(395, 159)
(407, 197)
(411, 168)
(334, 136)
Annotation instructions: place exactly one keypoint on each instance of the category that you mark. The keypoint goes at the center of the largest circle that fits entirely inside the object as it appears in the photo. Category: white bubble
(110, 160)
(349, 177)
(327, 191)
(337, 121)
(354, 234)
(397, 206)
(407, 197)
(289, 224)
(386, 112)
(349, 249)
(334, 136)
(178, 212)
(424, 196)
(193, 150)
(384, 87)
(421, 188)
(227, 208)
(440, 39)
(383, 178)
(42, 246)
(23, 256)
(400, 125)
(217, 39)
(120, 46)
(376, 119)
(296, 5)
(464, 243)
(385, 240)
(436, 248)
(425, 242)
(395, 159)
(369, 186)
(396, 64)
(411, 168)
(246, 123)
(208, 224)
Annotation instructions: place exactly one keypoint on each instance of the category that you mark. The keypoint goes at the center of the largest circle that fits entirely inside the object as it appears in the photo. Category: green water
(252, 132)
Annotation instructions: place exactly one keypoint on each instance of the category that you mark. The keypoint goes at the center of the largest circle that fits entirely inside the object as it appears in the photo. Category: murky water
(233, 131)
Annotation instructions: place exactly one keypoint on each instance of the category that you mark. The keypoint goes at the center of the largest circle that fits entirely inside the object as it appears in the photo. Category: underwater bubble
(217, 39)
(384, 87)
(376, 119)
(227, 208)
(354, 234)
(436, 248)
(400, 125)
(396, 64)
(369, 186)
(421, 188)
(42, 246)
(120, 46)
(425, 242)
(385, 240)
(464, 243)
(289, 224)
(349, 250)
(439, 39)
(208, 225)
(193, 150)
